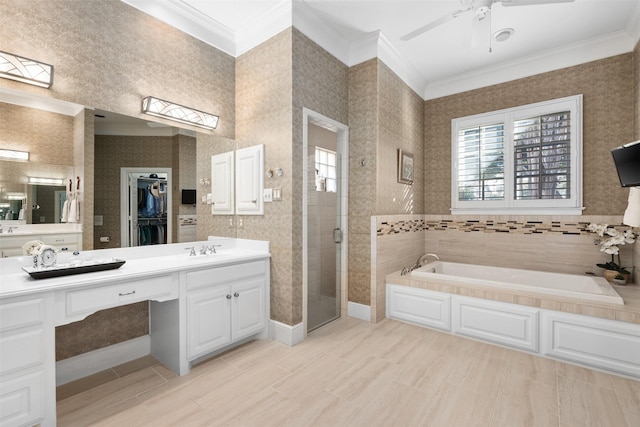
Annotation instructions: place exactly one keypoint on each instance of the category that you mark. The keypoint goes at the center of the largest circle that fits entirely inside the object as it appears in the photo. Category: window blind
(542, 148)
(481, 163)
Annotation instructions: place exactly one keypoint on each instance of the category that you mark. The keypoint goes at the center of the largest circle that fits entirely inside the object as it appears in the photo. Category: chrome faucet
(420, 262)
(193, 251)
(11, 229)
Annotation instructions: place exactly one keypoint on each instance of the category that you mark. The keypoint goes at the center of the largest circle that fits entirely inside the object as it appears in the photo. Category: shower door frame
(342, 145)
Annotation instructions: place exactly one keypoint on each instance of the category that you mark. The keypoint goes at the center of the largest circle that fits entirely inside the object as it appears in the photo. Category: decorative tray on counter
(68, 269)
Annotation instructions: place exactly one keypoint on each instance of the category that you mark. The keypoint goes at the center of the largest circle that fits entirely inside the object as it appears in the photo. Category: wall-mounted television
(627, 161)
(188, 197)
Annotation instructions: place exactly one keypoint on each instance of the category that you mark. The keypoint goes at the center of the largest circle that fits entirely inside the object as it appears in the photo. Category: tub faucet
(421, 261)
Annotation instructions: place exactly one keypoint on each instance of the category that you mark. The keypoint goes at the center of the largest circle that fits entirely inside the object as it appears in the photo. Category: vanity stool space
(199, 306)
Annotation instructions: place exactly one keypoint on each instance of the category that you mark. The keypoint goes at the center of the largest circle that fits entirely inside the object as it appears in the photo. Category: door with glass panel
(324, 232)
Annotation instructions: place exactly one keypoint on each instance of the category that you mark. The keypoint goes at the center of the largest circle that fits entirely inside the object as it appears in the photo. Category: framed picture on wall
(405, 167)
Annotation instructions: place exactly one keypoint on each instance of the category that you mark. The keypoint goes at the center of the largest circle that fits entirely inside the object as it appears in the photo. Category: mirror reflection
(47, 129)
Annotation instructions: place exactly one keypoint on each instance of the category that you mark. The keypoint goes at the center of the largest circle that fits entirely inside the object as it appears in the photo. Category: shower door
(324, 236)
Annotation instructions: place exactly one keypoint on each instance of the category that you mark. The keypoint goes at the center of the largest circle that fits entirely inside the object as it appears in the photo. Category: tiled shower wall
(555, 244)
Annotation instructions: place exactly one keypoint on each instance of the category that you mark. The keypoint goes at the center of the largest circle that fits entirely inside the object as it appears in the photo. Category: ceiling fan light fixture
(503, 34)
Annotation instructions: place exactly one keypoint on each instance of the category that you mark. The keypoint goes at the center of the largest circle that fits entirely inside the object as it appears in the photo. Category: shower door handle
(337, 235)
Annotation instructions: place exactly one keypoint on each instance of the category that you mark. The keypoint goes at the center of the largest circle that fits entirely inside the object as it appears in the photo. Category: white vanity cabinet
(27, 353)
(11, 246)
(224, 306)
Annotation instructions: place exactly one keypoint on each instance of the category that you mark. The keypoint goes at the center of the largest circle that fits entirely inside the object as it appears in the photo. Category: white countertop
(141, 262)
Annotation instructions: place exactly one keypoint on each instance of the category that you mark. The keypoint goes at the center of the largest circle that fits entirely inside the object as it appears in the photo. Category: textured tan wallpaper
(293, 72)
(48, 137)
(400, 125)
(607, 87)
(321, 84)
(363, 136)
(385, 114)
(264, 80)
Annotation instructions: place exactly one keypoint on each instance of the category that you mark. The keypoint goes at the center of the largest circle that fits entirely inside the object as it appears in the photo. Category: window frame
(570, 206)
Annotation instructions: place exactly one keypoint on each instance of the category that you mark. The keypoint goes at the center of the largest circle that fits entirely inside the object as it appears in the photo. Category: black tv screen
(188, 197)
(627, 161)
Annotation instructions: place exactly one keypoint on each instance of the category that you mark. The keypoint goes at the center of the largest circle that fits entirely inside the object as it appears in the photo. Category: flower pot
(611, 274)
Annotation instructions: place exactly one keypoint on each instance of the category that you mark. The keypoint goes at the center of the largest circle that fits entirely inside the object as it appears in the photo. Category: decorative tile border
(496, 225)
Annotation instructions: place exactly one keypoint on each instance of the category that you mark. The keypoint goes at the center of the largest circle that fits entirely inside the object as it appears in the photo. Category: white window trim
(509, 206)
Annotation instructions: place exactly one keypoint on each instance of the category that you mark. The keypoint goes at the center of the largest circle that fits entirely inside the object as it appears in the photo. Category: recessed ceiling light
(503, 34)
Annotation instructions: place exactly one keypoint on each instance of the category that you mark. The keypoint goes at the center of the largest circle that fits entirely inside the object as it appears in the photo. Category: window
(325, 170)
(523, 160)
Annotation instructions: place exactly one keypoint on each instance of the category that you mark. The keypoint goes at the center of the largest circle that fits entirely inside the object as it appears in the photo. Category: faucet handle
(212, 248)
(192, 249)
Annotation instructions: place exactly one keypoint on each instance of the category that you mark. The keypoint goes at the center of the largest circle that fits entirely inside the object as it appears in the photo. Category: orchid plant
(610, 239)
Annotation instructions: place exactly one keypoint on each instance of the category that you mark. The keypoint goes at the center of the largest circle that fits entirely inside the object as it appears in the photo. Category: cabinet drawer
(22, 400)
(94, 299)
(20, 349)
(16, 242)
(502, 323)
(59, 239)
(19, 314)
(221, 275)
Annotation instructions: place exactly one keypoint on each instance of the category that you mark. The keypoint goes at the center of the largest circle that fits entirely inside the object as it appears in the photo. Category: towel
(65, 211)
(21, 214)
(73, 210)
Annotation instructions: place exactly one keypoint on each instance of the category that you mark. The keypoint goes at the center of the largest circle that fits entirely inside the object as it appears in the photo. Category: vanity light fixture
(46, 181)
(169, 110)
(25, 70)
(14, 155)
(13, 195)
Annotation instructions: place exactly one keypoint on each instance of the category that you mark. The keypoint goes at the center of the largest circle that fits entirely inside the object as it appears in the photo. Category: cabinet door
(248, 313)
(249, 180)
(222, 184)
(208, 320)
(421, 306)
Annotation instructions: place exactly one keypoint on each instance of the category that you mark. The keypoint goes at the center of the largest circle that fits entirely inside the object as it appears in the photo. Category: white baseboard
(290, 335)
(85, 364)
(359, 311)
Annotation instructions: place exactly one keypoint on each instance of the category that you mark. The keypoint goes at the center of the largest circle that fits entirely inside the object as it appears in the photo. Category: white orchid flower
(629, 237)
(611, 250)
(616, 240)
(599, 229)
(612, 232)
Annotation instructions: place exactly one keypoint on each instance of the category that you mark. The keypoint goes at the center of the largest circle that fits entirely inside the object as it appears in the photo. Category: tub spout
(423, 258)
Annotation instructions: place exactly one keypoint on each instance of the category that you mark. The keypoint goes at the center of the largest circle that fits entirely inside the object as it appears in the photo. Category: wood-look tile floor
(355, 373)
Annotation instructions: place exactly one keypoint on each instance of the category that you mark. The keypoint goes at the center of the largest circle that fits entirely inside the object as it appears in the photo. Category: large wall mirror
(45, 128)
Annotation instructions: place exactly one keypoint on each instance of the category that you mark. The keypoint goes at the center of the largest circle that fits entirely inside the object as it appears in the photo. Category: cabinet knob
(228, 296)
(236, 295)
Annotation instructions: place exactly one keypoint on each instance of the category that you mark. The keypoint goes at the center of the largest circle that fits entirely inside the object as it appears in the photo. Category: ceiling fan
(481, 8)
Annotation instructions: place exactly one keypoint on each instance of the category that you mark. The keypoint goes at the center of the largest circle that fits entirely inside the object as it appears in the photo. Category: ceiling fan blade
(509, 3)
(446, 18)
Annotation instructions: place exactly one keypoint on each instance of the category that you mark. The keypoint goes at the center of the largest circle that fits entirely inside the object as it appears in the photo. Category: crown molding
(401, 66)
(311, 25)
(189, 20)
(261, 29)
(300, 15)
(633, 25)
(568, 56)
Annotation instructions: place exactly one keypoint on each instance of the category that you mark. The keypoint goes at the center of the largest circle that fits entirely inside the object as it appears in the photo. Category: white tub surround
(580, 288)
(597, 334)
(200, 305)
